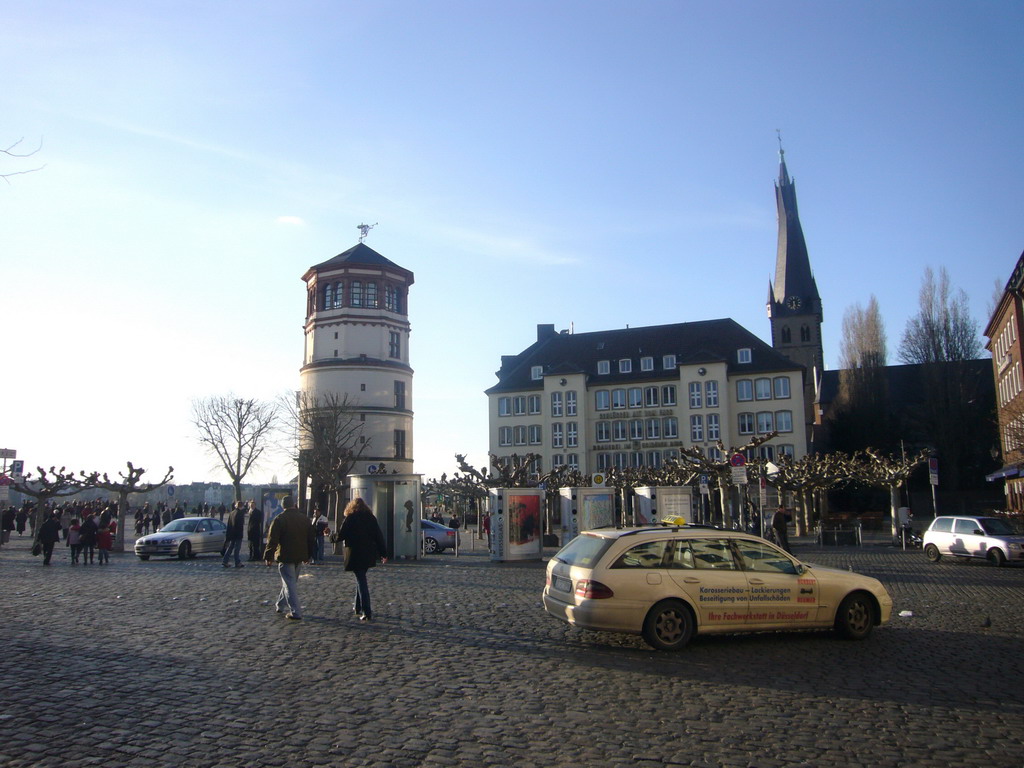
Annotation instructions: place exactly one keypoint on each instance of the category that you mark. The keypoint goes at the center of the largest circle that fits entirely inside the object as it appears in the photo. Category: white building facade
(357, 344)
(635, 397)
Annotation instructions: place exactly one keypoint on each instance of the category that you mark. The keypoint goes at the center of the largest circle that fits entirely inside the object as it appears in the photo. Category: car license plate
(562, 584)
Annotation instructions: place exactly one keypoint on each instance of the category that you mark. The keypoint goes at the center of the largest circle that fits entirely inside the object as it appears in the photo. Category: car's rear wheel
(668, 626)
(430, 545)
(932, 553)
(855, 617)
(996, 557)
(184, 551)
(143, 557)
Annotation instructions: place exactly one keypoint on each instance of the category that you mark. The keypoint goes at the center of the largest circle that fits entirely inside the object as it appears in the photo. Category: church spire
(794, 289)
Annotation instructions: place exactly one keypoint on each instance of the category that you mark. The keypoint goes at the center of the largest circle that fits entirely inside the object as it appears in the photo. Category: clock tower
(794, 306)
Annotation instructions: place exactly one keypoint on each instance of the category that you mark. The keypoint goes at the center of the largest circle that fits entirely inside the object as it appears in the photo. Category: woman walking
(364, 545)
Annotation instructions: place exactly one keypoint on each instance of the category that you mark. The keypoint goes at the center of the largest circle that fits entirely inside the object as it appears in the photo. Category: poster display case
(652, 504)
(395, 501)
(516, 531)
(586, 509)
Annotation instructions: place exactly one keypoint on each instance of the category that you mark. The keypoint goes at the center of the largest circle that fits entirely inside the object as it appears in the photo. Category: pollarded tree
(48, 485)
(875, 468)
(130, 482)
(235, 430)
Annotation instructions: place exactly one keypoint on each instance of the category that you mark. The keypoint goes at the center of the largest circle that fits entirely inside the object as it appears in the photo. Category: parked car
(183, 538)
(437, 537)
(991, 538)
(670, 583)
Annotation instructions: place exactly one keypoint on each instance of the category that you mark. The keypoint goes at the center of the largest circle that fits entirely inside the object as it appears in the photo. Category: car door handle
(691, 580)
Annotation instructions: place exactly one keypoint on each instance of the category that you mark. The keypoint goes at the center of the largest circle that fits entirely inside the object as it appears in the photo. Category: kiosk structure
(395, 501)
(586, 509)
(652, 504)
(516, 530)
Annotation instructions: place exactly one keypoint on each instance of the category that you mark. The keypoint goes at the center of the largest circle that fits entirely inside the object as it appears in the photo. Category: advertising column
(516, 524)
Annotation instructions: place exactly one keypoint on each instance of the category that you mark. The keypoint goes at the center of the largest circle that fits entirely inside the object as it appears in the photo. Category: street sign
(597, 480)
(739, 475)
(933, 471)
(170, 490)
(8, 453)
(17, 469)
(738, 460)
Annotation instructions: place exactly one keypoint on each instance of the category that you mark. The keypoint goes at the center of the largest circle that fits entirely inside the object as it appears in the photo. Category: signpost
(933, 479)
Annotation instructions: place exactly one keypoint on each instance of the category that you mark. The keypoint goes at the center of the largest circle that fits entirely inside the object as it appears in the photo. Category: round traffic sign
(738, 460)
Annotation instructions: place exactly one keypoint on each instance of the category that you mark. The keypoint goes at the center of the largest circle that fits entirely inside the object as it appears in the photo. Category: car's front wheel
(996, 557)
(668, 625)
(932, 553)
(430, 545)
(184, 551)
(143, 557)
(855, 617)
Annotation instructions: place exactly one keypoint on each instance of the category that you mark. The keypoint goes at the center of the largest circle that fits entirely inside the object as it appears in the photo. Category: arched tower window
(787, 336)
(390, 298)
(339, 293)
(356, 293)
(310, 302)
(328, 295)
(805, 333)
(371, 294)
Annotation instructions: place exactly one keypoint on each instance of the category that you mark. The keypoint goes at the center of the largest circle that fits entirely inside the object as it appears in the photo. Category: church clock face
(793, 302)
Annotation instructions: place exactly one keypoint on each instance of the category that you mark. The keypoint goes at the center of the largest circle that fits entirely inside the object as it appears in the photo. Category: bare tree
(12, 151)
(129, 483)
(943, 329)
(330, 440)
(235, 430)
(46, 486)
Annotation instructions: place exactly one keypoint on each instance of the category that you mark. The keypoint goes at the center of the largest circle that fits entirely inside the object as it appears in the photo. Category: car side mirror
(978, 532)
(800, 569)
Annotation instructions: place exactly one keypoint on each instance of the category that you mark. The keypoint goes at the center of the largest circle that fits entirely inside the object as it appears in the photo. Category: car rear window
(584, 550)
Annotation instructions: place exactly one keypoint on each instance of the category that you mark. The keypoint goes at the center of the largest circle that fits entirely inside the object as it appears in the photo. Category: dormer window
(668, 362)
(625, 366)
(604, 367)
(537, 372)
(646, 363)
(744, 355)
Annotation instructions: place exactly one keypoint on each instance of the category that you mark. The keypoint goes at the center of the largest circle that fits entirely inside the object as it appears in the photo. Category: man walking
(255, 530)
(235, 534)
(49, 534)
(291, 541)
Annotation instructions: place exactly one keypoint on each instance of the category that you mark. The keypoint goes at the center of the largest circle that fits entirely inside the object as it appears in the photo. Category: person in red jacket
(104, 543)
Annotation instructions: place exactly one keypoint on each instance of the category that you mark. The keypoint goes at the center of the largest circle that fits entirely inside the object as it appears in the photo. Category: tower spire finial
(364, 230)
(782, 152)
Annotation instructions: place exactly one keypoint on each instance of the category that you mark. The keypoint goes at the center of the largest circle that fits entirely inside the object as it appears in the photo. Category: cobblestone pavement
(169, 663)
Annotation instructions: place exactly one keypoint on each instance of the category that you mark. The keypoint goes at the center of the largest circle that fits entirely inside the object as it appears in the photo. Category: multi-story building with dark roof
(636, 396)
(357, 344)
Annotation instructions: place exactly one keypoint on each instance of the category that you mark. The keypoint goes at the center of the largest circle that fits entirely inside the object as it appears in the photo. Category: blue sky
(593, 164)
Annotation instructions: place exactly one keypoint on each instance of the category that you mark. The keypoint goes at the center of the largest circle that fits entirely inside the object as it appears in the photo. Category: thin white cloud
(506, 248)
(294, 221)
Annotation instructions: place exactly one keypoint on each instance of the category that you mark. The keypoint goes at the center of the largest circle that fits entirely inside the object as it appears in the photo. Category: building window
(636, 429)
(371, 294)
(670, 427)
(668, 394)
(784, 421)
(504, 435)
(767, 452)
(650, 397)
(572, 434)
(601, 400)
(696, 429)
(604, 367)
(646, 363)
(533, 404)
(400, 395)
(781, 387)
(787, 335)
(746, 423)
(805, 333)
(399, 443)
(744, 389)
(534, 434)
(328, 295)
(668, 362)
(395, 345)
(557, 435)
(537, 372)
(695, 394)
(636, 459)
(390, 298)
(603, 463)
(603, 432)
(570, 403)
(636, 397)
(556, 404)
(620, 460)
(711, 394)
(619, 431)
(654, 459)
(339, 293)
(574, 461)
(625, 366)
(518, 405)
(504, 406)
(618, 399)
(785, 450)
(653, 429)
(714, 429)
(557, 460)
(763, 389)
(537, 465)
(765, 422)
(744, 355)
(356, 293)
(519, 435)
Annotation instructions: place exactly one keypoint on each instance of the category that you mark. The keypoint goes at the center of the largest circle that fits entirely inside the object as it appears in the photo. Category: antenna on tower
(364, 230)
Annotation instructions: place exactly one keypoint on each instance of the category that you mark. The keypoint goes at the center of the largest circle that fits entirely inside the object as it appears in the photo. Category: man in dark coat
(235, 534)
(364, 545)
(290, 542)
(255, 531)
(49, 534)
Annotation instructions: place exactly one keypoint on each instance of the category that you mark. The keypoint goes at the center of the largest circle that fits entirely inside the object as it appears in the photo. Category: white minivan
(991, 538)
